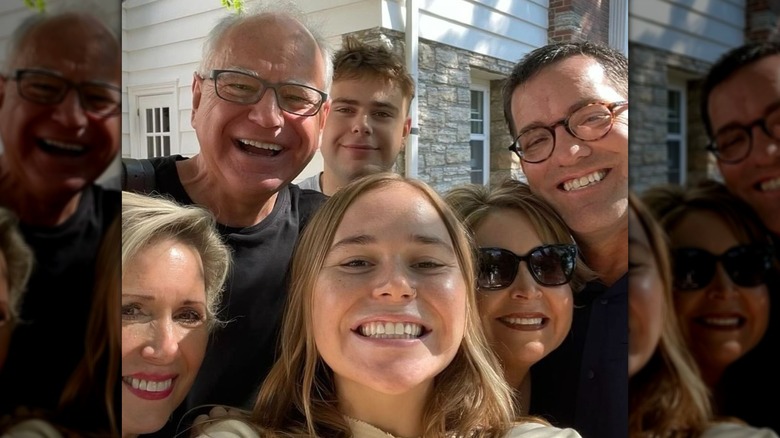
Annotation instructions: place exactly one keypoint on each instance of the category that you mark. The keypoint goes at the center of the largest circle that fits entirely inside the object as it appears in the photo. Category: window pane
(167, 145)
(477, 112)
(673, 160)
(477, 161)
(674, 114)
(149, 121)
(166, 119)
(158, 146)
(149, 147)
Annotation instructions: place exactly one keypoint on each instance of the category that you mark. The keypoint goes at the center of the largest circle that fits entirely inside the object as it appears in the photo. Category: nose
(766, 148)
(163, 344)
(69, 112)
(361, 125)
(267, 112)
(721, 286)
(524, 287)
(395, 284)
(568, 148)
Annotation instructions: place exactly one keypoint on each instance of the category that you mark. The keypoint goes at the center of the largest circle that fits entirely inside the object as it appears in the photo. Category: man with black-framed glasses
(740, 108)
(259, 104)
(566, 106)
(60, 101)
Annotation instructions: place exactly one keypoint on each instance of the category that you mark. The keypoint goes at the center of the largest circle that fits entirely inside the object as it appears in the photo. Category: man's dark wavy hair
(728, 64)
(615, 65)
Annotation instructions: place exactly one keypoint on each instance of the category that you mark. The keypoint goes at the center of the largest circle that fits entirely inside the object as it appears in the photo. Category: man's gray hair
(108, 13)
(286, 8)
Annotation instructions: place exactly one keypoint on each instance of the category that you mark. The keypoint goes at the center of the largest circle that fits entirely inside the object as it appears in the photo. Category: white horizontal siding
(11, 14)
(499, 28)
(338, 17)
(701, 29)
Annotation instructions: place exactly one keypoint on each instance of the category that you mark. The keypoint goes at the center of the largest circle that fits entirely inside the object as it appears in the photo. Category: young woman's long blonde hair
(298, 398)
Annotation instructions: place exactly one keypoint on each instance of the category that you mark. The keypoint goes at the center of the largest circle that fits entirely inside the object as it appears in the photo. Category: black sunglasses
(549, 265)
(746, 265)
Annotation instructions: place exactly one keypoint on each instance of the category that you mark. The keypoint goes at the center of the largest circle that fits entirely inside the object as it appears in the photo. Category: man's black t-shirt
(240, 355)
(583, 384)
(49, 341)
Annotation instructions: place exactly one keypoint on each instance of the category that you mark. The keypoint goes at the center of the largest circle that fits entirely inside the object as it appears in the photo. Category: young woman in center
(381, 336)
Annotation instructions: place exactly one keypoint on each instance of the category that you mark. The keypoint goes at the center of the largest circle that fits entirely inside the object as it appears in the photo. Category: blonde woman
(529, 270)
(174, 265)
(381, 336)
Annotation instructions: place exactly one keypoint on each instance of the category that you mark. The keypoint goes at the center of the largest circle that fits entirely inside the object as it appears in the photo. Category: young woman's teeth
(391, 330)
(584, 181)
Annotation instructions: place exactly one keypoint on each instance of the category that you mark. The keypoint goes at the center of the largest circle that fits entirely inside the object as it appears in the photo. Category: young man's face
(585, 181)
(746, 96)
(367, 126)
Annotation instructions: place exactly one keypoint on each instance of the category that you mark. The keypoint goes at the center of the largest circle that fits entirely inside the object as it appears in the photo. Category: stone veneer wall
(648, 84)
(443, 98)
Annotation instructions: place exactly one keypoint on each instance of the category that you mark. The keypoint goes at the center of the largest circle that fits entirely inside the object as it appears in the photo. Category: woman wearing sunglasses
(529, 268)
(721, 258)
(667, 397)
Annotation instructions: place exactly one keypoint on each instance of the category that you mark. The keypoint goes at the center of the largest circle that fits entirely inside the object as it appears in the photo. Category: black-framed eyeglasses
(746, 265)
(48, 88)
(549, 265)
(733, 142)
(246, 89)
(590, 122)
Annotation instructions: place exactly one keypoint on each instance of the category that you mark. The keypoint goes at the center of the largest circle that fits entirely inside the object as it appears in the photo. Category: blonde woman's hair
(19, 260)
(298, 398)
(474, 202)
(147, 220)
(671, 203)
(667, 397)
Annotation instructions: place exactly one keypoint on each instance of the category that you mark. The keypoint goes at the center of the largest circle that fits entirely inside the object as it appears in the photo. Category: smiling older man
(60, 101)
(258, 109)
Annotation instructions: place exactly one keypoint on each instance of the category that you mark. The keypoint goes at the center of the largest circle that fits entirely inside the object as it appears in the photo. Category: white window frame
(135, 94)
(484, 87)
(679, 86)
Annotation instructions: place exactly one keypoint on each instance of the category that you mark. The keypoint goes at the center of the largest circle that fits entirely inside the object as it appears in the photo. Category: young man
(60, 105)
(369, 117)
(567, 108)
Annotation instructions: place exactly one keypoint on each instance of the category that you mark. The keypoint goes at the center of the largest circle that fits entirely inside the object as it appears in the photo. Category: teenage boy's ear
(407, 129)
